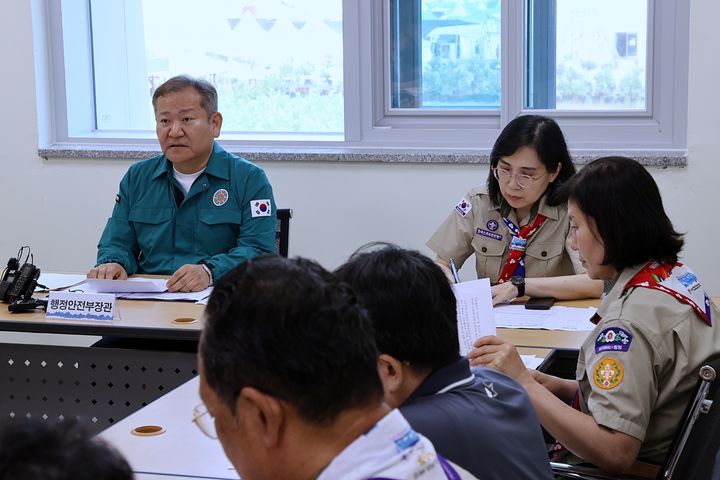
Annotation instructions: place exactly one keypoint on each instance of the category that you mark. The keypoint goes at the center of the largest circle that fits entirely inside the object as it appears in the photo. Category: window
(378, 73)
(593, 62)
(445, 54)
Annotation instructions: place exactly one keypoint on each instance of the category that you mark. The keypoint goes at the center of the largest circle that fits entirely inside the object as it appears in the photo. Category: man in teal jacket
(194, 212)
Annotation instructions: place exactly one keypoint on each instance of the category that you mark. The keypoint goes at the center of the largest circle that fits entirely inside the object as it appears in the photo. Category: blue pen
(454, 271)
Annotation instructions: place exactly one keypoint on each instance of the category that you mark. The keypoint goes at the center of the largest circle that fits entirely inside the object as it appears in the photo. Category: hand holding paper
(496, 353)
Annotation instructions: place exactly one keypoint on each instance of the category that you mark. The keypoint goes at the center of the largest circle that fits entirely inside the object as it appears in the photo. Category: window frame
(371, 123)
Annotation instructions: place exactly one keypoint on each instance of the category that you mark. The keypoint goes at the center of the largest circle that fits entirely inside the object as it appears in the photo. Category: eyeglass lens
(505, 176)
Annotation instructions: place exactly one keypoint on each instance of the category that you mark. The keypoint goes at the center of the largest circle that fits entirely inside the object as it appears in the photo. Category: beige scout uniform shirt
(482, 232)
(640, 382)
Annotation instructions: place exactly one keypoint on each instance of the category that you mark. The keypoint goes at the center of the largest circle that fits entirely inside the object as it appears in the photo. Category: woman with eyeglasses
(516, 225)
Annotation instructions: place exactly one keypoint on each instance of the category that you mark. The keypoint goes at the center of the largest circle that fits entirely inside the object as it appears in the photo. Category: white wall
(59, 207)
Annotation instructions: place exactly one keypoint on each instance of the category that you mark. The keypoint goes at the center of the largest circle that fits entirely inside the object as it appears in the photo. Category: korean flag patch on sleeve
(260, 208)
(463, 207)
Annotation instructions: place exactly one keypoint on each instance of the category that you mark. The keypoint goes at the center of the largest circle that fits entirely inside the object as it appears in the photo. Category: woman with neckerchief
(638, 369)
(516, 225)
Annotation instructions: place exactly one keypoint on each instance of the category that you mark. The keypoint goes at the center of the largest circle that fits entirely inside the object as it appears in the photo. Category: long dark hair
(624, 201)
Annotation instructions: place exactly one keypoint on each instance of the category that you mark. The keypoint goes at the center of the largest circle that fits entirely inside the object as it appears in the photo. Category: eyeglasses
(523, 180)
(204, 420)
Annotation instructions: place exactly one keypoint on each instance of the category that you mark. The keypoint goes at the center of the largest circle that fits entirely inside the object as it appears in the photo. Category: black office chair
(693, 452)
(716, 472)
(282, 233)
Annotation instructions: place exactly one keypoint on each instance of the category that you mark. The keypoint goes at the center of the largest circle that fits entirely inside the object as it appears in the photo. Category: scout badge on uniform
(220, 197)
(515, 263)
(676, 280)
(608, 373)
(613, 339)
(463, 207)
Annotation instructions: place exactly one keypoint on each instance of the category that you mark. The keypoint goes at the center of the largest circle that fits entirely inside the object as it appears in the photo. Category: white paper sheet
(557, 318)
(474, 312)
(57, 281)
(131, 285)
(197, 297)
(531, 361)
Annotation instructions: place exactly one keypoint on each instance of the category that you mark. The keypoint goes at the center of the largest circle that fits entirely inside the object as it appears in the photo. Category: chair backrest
(282, 232)
(696, 444)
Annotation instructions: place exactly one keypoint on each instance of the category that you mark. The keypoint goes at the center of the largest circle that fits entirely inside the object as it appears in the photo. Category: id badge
(518, 243)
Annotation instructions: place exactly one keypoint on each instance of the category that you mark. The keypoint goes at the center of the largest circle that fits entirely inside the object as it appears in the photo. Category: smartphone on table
(540, 303)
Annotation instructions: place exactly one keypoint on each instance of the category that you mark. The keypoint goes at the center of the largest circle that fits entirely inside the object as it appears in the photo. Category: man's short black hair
(411, 303)
(290, 329)
(206, 90)
(543, 135)
(625, 203)
(43, 450)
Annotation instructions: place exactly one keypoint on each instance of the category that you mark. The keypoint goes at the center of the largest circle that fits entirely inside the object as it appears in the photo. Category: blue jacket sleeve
(118, 242)
(256, 234)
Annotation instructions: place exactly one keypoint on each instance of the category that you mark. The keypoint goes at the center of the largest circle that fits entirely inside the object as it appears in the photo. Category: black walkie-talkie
(9, 276)
(24, 284)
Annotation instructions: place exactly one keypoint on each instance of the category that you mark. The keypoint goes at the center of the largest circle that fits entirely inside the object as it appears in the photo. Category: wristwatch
(519, 283)
(208, 267)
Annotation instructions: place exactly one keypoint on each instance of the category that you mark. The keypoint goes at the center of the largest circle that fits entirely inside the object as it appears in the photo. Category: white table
(181, 451)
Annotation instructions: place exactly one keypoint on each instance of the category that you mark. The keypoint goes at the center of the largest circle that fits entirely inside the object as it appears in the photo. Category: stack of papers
(131, 285)
(58, 281)
(557, 318)
(197, 297)
(134, 288)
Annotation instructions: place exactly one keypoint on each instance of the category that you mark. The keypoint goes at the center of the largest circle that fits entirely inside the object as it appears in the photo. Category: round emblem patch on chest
(608, 373)
(220, 197)
(492, 225)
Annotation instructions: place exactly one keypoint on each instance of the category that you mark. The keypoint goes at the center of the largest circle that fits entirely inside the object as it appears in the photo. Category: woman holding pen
(516, 225)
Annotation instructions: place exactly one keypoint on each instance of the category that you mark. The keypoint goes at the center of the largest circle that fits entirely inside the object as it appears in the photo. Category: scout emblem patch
(492, 225)
(260, 208)
(220, 197)
(608, 373)
(463, 207)
(615, 339)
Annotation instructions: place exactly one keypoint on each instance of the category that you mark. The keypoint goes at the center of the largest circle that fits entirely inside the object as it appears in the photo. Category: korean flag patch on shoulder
(463, 207)
(260, 208)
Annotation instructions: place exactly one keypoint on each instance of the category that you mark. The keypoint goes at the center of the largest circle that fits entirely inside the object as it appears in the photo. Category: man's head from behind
(286, 350)
(43, 450)
(413, 311)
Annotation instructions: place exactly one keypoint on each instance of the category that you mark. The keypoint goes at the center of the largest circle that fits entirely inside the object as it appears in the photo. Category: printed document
(557, 318)
(131, 285)
(474, 312)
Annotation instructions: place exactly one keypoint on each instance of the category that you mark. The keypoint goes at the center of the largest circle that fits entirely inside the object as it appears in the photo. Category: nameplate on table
(80, 306)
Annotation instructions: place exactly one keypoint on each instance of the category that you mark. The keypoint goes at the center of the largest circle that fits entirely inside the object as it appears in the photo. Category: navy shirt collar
(444, 379)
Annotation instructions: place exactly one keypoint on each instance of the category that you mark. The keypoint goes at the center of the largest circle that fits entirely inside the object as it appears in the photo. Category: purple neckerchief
(449, 471)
